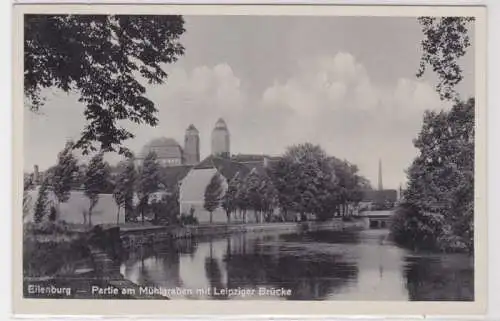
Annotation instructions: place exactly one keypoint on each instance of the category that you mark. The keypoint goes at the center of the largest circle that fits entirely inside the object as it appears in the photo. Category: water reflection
(347, 265)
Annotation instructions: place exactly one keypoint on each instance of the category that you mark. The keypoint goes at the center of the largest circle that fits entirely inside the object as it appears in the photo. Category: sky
(345, 83)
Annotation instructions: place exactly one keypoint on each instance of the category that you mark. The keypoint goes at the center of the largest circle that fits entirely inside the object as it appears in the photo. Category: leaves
(125, 182)
(307, 180)
(96, 178)
(63, 173)
(149, 176)
(42, 201)
(446, 41)
(213, 193)
(102, 58)
(229, 200)
(441, 178)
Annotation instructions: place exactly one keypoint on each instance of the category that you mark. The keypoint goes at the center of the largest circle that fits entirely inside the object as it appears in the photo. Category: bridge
(377, 219)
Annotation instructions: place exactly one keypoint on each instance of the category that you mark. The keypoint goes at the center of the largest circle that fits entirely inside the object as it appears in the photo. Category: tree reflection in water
(440, 278)
(342, 265)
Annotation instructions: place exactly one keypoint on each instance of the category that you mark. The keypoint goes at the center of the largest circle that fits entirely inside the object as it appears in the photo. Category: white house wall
(72, 211)
(192, 194)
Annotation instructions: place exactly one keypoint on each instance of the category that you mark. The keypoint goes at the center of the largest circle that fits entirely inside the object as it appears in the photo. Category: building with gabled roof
(193, 185)
(181, 167)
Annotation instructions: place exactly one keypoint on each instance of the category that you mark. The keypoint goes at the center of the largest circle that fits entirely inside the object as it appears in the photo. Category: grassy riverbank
(58, 262)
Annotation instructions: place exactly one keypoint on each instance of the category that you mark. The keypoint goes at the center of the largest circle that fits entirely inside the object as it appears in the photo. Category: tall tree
(441, 180)
(99, 57)
(446, 40)
(148, 182)
(349, 184)
(28, 185)
(95, 180)
(253, 183)
(63, 173)
(124, 187)
(213, 195)
(229, 200)
(279, 174)
(306, 178)
(40, 209)
(269, 197)
(242, 202)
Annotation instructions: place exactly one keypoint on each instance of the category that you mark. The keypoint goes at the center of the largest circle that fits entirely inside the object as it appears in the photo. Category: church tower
(220, 139)
(380, 184)
(191, 146)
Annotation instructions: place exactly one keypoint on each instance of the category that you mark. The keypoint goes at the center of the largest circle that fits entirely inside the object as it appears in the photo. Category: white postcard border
(198, 308)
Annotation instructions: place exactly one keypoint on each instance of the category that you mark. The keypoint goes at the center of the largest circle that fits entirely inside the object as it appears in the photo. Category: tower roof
(191, 128)
(220, 124)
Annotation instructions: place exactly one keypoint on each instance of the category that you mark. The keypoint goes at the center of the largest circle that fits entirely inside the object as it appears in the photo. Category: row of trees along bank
(305, 180)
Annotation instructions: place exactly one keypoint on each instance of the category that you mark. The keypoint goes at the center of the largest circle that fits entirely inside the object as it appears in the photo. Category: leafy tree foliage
(229, 200)
(95, 179)
(41, 204)
(440, 193)
(446, 41)
(269, 197)
(307, 178)
(254, 196)
(100, 57)
(148, 182)
(349, 185)
(62, 174)
(124, 187)
(280, 176)
(213, 194)
(28, 182)
(242, 202)
(166, 209)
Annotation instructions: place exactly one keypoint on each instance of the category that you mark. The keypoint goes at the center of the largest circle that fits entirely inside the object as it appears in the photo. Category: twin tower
(220, 142)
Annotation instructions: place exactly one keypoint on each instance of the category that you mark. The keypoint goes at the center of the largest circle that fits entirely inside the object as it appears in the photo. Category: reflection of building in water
(205, 267)
(148, 268)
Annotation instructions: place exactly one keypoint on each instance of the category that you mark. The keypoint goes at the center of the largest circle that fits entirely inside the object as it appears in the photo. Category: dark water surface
(328, 265)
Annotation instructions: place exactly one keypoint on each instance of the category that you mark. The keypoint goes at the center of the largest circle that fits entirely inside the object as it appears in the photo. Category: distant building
(170, 153)
(220, 139)
(191, 146)
(380, 198)
(167, 150)
(183, 169)
(193, 185)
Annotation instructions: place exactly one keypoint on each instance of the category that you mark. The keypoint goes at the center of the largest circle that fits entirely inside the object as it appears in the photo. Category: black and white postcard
(217, 159)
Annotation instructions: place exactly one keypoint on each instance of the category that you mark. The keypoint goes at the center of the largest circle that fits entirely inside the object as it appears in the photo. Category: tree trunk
(228, 217)
(90, 214)
(143, 206)
(210, 217)
(118, 216)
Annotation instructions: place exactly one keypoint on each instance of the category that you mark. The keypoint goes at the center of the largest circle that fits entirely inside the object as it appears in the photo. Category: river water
(326, 265)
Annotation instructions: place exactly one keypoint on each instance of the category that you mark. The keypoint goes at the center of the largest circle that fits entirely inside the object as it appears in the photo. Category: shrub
(53, 257)
(165, 211)
(188, 219)
(416, 229)
(47, 228)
